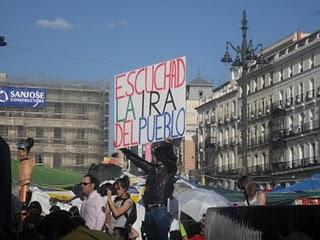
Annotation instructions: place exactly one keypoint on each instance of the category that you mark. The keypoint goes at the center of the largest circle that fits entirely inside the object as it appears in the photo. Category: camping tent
(309, 184)
(48, 177)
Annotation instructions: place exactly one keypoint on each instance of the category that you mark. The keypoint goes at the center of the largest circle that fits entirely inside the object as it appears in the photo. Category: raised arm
(138, 161)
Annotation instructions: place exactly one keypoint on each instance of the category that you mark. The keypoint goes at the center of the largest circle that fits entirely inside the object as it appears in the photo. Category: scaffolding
(70, 131)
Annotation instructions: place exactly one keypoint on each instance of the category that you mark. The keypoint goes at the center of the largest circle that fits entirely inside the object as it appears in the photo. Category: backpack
(132, 216)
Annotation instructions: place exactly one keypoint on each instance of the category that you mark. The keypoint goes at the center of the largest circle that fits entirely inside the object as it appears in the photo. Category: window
(301, 66)
(255, 133)
(233, 107)
(254, 85)
(280, 95)
(300, 92)
(312, 152)
(270, 78)
(310, 93)
(200, 94)
(4, 130)
(233, 133)
(312, 61)
(227, 110)
(301, 121)
(226, 136)
(58, 108)
(289, 94)
(290, 157)
(81, 109)
(56, 160)
(281, 75)
(39, 159)
(261, 106)
(290, 125)
(39, 132)
(290, 71)
(311, 119)
(57, 135)
(80, 134)
(263, 160)
(22, 131)
(262, 81)
(79, 160)
(262, 130)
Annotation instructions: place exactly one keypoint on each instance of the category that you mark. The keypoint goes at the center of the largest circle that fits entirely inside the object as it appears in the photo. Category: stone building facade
(283, 117)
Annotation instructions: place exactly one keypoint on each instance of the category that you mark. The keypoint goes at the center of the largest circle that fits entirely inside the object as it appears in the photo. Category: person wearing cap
(159, 188)
(25, 168)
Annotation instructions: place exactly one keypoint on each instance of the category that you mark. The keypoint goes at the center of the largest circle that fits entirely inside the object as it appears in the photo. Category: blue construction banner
(22, 97)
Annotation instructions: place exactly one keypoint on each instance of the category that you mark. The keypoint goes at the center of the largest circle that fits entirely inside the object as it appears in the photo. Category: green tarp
(48, 177)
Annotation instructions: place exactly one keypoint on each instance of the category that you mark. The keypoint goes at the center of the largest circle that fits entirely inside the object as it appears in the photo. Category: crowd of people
(96, 219)
(103, 215)
(109, 214)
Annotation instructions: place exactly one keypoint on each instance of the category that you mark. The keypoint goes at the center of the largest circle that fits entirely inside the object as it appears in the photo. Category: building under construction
(70, 129)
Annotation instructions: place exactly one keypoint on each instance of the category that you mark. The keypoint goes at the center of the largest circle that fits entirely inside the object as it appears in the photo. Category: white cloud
(117, 24)
(58, 23)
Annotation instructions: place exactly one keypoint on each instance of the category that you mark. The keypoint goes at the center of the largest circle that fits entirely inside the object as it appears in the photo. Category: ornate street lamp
(245, 57)
(2, 41)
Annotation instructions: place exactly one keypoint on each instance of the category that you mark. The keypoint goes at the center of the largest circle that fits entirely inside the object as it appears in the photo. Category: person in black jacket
(159, 188)
(5, 187)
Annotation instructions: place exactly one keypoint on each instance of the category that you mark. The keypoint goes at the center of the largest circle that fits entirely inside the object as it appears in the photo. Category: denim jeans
(157, 222)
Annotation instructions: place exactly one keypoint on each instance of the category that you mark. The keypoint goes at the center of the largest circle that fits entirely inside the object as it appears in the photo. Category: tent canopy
(48, 177)
(309, 184)
(273, 198)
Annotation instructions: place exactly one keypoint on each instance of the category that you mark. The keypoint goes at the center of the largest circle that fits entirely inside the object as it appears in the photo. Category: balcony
(259, 169)
(233, 116)
(252, 115)
(226, 119)
(210, 142)
(278, 106)
(310, 162)
(213, 120)
(219, 145)
(220, 120)
(310, 95)
(289, 102)
(227, 169)
(303, 128)
(299, 99)
(233, 142)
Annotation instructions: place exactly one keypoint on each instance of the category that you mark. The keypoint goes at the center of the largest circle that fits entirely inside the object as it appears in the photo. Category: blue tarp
(309, 184)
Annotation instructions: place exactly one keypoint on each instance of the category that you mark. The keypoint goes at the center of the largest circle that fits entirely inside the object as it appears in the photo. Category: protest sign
(149, 103)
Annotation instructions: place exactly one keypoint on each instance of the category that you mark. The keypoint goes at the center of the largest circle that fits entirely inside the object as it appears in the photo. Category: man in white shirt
(93, 206)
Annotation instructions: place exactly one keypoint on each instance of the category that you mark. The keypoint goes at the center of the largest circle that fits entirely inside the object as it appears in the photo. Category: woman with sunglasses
(122, 204)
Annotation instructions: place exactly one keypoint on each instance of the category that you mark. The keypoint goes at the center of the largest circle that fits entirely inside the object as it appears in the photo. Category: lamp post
(245, 57)
(2, 41)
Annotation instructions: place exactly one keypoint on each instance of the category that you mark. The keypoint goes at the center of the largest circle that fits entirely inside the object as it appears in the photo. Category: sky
(92, 41)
